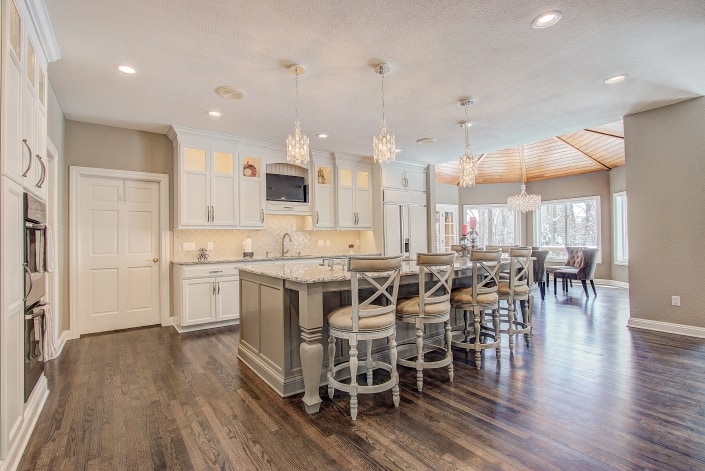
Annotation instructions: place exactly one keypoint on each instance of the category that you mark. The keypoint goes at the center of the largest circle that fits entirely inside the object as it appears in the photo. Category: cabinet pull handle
(29, 150)
(216, 271)
(261, 215)
(218, 283)
(212, 213)
(317, 218)
(44, 172)
(213, 283)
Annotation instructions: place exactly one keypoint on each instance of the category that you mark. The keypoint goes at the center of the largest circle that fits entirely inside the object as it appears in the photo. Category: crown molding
(40, 17)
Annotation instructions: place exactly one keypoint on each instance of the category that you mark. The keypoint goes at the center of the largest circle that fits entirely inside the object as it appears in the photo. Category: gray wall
(665, 151)
(97, 146)
(618, 183)
(447, 194)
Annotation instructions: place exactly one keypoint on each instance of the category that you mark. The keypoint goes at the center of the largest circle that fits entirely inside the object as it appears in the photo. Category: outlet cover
(320, 242)
(189, 246)
(210, 245)
(327, 243)
(675, 300)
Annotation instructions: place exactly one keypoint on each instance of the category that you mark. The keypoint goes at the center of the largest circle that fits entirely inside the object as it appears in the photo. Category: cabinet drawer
(209, 270)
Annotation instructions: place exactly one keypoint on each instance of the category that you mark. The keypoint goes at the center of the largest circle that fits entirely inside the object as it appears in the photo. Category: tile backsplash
(227, 243)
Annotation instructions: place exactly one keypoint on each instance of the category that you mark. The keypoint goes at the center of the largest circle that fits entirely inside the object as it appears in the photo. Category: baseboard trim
(61, 342)
(617, 284)
(668, 327)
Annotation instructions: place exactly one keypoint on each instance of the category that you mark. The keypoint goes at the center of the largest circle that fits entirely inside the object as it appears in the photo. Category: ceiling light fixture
(230, 93)
(297, 151)
(322, 135)
(467, 164)
(549, 18)
(383, 146)
(615, 79)
(523, 202)
(426, 140)
(126, 69)
(215, 114)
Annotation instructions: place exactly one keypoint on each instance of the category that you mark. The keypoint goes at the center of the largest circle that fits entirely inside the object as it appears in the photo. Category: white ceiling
(527, 84)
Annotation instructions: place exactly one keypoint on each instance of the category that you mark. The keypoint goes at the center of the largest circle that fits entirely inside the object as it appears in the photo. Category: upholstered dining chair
(571, 252)
(517, 288)
(583, 270)
(431, 306)
(364, 320)
(477, 299)
(539, 267)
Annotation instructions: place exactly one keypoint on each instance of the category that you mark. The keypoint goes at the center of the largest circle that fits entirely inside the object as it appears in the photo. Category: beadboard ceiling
(529, 85)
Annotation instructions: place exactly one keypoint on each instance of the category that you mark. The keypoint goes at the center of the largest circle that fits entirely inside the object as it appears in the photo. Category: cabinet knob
(155, 259)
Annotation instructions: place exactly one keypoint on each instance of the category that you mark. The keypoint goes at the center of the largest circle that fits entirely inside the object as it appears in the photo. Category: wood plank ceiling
(588, 150)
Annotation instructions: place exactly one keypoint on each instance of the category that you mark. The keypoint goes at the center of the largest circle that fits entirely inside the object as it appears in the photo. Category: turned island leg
(311, 349)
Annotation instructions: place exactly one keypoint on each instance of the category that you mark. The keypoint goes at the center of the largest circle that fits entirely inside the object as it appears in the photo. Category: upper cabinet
(323, 191)
(206, 179)
(252, 174)
(402, 176)
(354, 182)
(24, 98)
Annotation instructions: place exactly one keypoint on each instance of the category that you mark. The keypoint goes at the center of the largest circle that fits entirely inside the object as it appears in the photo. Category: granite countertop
(257, 259)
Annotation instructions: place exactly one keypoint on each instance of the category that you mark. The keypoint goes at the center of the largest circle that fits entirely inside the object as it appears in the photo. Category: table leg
(311, 349)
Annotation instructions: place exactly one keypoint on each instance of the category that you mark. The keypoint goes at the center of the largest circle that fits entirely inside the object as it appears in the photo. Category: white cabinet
(206, 179)
(24, 103)
(12, 316)
(323, 192)
(354, 195)
(252, 185)
(404, 177)
(206, 296)
(405, 229)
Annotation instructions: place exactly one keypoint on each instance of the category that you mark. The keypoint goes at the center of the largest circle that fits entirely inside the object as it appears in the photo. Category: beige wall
(618, 183)
(665, 175)
(447, 194)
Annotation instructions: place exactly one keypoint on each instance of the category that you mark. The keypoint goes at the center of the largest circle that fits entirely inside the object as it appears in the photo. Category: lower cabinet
(206, 296)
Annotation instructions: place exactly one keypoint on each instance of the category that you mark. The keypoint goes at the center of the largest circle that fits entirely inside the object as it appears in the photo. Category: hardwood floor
(587, 394)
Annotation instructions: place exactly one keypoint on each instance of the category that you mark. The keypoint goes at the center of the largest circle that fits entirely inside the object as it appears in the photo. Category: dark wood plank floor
(588, 394)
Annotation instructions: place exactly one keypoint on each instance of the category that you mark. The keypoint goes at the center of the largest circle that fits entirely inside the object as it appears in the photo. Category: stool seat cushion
(464, 295)
(410, 307)
(503, 288)
(341, 318)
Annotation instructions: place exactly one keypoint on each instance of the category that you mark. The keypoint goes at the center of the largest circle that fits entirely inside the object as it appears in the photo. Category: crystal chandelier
(523, 202)
(383, 146)
(297, 151)
(468, 162)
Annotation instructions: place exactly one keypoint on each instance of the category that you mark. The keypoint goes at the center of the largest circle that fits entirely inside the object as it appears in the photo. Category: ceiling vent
(231, 93)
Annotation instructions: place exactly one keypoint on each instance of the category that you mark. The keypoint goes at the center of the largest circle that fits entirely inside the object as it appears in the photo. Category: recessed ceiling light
(215, 114)
(126, 69)
(397, 150)
(549, 18)
(230, 93)
(465, 124)
(322, 135)
(426, 140)
(615, 79)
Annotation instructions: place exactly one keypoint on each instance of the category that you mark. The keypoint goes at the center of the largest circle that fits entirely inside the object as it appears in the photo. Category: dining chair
(539, 269)
(517, 288)
(477, 299)
(571, 252)
(583, 270)
(370, 317)
(431, 306)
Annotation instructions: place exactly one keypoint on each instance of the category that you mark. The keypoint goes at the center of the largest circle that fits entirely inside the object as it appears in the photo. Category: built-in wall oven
(35, 221)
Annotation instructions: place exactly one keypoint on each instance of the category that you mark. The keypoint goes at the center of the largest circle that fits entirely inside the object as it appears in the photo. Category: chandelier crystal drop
(297, 150)
(383, 145)
(468, 163)
(523, 202)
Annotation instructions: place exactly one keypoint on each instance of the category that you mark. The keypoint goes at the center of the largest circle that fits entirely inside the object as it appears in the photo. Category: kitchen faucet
(285, 251)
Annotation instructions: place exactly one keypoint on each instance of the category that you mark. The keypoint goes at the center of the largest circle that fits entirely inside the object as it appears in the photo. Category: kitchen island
(282, 319)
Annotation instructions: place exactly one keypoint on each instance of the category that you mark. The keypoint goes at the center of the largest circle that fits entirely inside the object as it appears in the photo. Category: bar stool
(475, 300)
(517, 288)
(431, 306)
(366, 321)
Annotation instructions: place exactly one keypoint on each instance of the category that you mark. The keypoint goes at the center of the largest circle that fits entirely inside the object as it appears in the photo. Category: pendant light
(297, 151)
(467, 165)
(383, 146)
(523, 202)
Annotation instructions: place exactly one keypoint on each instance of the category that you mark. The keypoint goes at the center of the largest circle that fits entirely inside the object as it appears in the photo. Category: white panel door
(119, 250)
(228, 297)
(418, 230)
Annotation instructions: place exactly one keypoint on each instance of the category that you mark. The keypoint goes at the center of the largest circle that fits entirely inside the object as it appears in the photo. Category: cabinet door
(12, 319)
(415, 180)
(227, 297)
(198, 301)
(392, 177)
(346, 197)
(39, 181)
(16, 154)
(224, 194)
(252, 188)
(195, 189)
(392, 229)
(323, 214)
(418, 232)
(29, 162)
(363, 199)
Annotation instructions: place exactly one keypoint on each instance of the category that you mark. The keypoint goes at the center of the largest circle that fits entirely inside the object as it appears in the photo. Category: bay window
(496, 224)
(573, 222)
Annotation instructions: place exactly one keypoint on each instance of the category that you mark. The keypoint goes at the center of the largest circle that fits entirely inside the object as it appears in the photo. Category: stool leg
(495, 322)
(478, 337)
(331, 359)
(449, 351)
(510, 330)
(393, 361)
(353, 377)
(368, 363)
(419, 354)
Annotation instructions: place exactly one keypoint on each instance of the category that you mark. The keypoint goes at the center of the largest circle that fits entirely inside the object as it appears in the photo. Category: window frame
(537, 224)
(620, 229)
(518, 228)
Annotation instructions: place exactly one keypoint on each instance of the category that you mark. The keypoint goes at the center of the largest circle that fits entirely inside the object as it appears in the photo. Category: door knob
(155, 259)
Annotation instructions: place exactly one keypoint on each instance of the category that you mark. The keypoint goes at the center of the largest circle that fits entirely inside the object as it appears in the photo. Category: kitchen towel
(49, 249)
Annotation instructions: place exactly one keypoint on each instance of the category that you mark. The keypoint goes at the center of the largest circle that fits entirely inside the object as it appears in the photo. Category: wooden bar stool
(517, 288)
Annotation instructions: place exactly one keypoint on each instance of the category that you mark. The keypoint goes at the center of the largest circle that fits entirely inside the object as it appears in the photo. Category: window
(496, 224)
(621, 247)
(446, 227)
(574, 222)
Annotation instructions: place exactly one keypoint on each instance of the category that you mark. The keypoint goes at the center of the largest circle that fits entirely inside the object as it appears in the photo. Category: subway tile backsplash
(227, 243)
